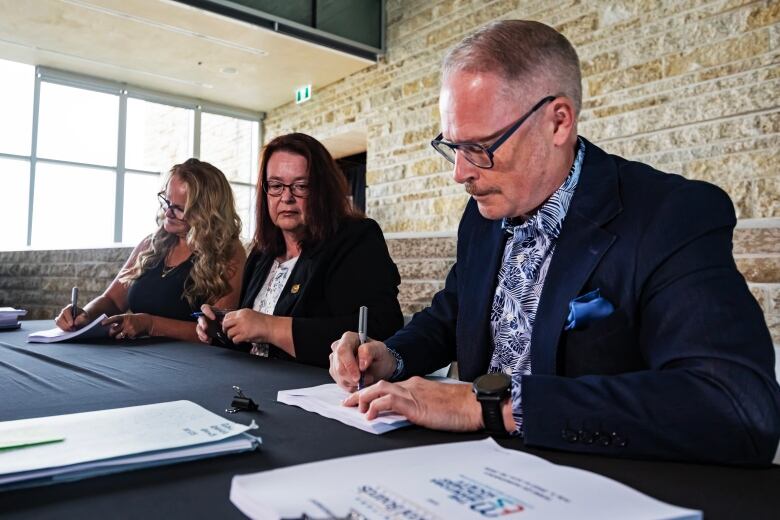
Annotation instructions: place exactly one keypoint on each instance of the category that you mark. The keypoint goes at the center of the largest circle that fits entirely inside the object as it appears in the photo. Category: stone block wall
(425, 261)
(757, 253)
(688, 86)
(40, 281)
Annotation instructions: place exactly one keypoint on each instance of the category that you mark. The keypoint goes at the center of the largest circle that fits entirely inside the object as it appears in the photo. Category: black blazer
(327, 287)
(684, 366)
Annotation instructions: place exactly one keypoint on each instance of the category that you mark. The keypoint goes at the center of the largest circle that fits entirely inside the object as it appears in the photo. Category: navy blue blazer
(682, 369)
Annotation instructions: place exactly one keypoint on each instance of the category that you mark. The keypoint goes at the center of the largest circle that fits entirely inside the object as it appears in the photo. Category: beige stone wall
(425, 261)
(40, 281)
(688, 86)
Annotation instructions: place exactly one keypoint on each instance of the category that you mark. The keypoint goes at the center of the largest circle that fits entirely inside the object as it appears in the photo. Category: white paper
(235, 444)
(93, 330)
(149, 430)
(477, 479)
(10, 312)
(326, 400)
(9, 317)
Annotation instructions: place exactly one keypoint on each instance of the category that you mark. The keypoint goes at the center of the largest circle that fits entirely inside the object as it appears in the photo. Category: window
(231, 145)
(74, 206)
(16, 107)
(14, 198)
(149, 158)
(140, 208)
(146, 122)
(77, 125)
(95, 155)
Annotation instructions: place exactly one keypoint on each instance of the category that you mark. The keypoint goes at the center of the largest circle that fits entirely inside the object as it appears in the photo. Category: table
(49, 379)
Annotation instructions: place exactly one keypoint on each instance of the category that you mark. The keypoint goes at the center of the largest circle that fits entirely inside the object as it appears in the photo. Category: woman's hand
(66, 322)
(129, 326)
(209, 327)
(246, 325)
(203, 325)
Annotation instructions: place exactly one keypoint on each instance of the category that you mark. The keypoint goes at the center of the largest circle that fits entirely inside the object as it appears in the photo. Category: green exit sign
(303, 94)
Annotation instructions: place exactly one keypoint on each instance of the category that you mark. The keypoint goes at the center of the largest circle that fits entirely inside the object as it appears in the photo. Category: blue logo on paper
(488, 502)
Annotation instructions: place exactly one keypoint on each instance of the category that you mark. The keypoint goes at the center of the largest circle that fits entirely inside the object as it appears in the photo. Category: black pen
(74, 302)
(363, 336)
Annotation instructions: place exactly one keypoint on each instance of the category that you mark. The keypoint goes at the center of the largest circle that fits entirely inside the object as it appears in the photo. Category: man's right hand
(66, 322)
(349, 358)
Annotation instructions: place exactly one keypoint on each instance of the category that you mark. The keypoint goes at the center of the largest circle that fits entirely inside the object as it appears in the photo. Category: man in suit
(595, 302)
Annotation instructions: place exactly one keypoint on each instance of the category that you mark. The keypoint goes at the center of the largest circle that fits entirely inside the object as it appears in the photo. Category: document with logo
(81, 445)
(326, 401)
(91, 331)
(477, 479)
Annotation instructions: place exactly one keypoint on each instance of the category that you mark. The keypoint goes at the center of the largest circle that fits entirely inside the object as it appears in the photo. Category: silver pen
(363, 337)
(74, 302)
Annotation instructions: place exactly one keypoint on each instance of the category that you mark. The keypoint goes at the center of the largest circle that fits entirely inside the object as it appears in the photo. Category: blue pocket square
(586, 309)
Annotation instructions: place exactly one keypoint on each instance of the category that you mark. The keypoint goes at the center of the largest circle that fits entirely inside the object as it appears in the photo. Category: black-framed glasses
(477, 154)
(276, 188)
(166, 205)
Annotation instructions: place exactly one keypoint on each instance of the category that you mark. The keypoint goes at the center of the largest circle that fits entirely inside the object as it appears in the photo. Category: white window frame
(123, 91)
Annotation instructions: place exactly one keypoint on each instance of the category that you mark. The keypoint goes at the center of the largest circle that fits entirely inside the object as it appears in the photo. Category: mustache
(471, 189)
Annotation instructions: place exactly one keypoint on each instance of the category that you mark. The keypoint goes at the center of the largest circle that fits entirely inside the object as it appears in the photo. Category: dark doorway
(354, 168)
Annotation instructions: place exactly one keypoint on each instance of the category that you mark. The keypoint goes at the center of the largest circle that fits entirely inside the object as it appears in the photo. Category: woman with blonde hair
(195, 257)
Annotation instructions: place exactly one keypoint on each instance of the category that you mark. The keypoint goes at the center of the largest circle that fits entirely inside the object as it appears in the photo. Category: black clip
(241, 403)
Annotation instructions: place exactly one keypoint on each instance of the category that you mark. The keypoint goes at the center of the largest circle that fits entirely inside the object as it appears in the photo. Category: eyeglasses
(477, 154)
(165, 204)
(275, 188)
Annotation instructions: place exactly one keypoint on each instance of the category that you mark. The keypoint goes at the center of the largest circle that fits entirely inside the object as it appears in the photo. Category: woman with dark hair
(194, 257)
(314, 262)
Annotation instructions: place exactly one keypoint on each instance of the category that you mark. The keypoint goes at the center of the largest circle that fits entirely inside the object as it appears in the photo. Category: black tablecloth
(50, 379)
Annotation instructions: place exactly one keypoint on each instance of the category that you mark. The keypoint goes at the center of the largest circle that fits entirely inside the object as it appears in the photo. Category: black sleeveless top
(160, 295)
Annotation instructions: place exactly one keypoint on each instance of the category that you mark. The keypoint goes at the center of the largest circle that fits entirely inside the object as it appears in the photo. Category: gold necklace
(166, 270)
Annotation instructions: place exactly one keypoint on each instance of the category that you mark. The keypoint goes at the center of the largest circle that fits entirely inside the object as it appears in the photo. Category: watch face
(492, 383)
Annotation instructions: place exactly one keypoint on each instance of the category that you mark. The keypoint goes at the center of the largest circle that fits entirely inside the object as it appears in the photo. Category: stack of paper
(9, 318)
(326, 401)
(47, 450)
(468, 480)
(91, 331)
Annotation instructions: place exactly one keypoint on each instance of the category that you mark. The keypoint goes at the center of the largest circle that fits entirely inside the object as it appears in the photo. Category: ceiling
(169, 47)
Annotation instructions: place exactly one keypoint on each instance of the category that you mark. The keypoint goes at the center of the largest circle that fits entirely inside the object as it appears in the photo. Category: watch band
(491, 390)
(492, 416)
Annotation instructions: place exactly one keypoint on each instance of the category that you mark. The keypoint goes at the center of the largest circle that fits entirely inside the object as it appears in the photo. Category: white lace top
(269, 294)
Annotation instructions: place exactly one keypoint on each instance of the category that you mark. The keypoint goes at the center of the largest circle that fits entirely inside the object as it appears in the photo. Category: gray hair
(521, 51)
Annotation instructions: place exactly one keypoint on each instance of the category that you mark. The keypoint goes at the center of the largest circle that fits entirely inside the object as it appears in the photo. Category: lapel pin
(295, 288)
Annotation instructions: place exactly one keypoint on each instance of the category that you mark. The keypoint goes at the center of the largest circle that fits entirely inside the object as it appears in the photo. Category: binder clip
(241, 403)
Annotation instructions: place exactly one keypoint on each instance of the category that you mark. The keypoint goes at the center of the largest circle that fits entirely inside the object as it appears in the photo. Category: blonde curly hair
(210, 211)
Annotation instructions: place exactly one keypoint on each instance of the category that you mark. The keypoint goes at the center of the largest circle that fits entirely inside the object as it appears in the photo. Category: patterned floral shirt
(527, 254)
